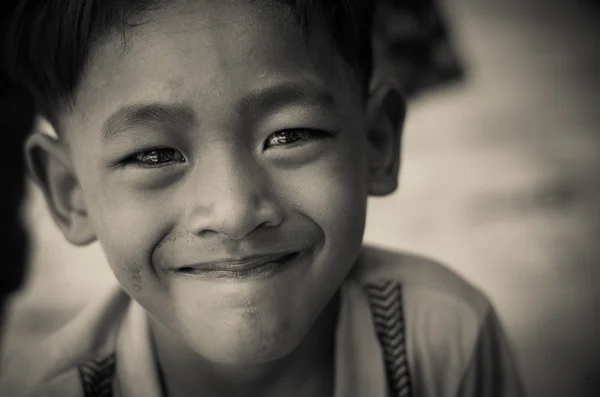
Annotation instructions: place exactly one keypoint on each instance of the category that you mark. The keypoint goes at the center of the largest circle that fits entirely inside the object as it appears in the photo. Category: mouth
(252, 267)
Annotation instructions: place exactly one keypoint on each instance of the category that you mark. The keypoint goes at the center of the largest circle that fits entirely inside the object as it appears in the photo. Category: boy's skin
(222, 79)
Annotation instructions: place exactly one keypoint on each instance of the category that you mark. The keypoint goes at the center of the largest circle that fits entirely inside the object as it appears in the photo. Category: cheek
(332, 192)
(343, 206)
(128, 226)
(340, 202)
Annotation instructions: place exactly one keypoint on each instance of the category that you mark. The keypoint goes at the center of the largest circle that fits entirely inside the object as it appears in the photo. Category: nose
(230, 198)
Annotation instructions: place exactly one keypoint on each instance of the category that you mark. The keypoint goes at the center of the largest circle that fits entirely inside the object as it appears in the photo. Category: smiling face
(224, 172)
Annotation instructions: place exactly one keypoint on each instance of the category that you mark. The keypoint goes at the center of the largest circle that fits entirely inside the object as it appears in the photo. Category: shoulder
(67, 384)
(53, 365)
(445, 316)
(92, 377)
(422, 279)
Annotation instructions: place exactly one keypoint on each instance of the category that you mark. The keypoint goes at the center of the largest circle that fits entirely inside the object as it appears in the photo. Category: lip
(249, 267)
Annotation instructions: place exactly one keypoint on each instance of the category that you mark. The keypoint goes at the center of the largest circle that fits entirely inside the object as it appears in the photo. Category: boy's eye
(292, 136)
(155, 158)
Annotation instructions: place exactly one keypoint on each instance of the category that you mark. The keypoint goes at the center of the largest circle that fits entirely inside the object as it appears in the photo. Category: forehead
(208, 54)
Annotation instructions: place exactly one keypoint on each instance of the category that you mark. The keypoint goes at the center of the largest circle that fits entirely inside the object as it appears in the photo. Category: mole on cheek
(136, 277)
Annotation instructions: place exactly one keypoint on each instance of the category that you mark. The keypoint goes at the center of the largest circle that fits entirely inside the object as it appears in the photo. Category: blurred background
(500, 180)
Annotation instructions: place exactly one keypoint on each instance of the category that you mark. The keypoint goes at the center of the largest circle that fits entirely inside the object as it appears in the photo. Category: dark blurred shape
(413, 43)
(17, 115)
(16, 120)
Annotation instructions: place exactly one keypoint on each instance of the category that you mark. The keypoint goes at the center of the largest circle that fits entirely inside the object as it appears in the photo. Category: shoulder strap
(97, 376)
(385, 299)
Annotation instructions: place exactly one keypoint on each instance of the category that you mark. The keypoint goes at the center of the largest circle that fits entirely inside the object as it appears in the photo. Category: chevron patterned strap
(385, 299)
(97, 376)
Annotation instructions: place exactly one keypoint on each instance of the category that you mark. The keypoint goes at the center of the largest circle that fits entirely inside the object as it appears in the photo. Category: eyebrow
(271, 98)
(153, 115)
(262, 100)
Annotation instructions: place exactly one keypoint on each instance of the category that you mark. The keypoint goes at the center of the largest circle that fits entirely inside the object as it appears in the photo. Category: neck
(307, 371)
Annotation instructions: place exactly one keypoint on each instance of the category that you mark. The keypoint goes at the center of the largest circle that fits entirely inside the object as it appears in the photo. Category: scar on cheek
(136, 277)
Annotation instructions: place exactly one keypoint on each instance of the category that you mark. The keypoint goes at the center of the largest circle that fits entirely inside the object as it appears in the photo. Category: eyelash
(305, 134)
(300, 134)
(135, 158)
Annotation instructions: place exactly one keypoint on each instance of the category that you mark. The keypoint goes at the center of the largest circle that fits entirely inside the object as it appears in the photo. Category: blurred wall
(500, 180)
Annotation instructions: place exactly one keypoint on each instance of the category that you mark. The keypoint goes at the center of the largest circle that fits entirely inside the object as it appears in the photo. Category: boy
(222, 153)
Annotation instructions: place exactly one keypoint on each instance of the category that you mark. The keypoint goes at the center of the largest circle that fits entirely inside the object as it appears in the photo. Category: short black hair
(48, 41)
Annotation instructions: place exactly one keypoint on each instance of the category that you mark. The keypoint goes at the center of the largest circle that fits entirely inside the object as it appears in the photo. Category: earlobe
(49, 166)
(386, 112)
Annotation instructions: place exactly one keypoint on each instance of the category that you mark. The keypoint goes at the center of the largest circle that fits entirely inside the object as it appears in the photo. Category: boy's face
(224, 174)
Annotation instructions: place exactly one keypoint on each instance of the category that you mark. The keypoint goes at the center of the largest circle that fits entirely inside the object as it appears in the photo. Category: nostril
(205, 233)
(268, 224)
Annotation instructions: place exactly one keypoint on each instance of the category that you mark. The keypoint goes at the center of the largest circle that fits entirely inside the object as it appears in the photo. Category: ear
(385, 120)
(49, 166)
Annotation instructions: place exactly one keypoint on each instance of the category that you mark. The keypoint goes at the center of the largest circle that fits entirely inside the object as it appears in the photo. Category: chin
(249, 343)
(250, 352)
